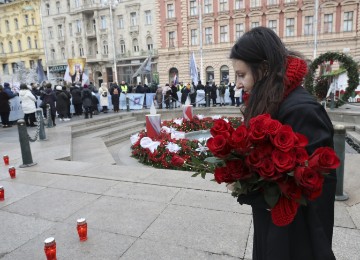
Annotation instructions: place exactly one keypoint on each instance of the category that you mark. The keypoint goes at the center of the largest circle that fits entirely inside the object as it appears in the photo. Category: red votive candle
(2, 193)
(12, 172)
(50, 248)
(6, 159)
(82, 229)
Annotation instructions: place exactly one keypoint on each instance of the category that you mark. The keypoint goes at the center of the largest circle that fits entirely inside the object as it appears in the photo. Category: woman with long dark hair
(271, 78)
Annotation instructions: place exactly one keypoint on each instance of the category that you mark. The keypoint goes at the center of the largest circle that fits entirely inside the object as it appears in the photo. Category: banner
(193, 69)
(75, 71)
(145, 67)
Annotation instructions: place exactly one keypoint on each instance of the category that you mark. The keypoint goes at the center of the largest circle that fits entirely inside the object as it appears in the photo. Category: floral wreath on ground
(159, 151)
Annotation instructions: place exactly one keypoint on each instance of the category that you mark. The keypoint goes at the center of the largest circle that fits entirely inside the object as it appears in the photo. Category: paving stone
(16, 230)
(210, 200)
(146, 249)
(35, 178)
(354, 212)
(342, 217)
(250, 242)
(346, 243)
(119, 215)
(142, 192)
(51, 204)
(201, 229)
(100, 244)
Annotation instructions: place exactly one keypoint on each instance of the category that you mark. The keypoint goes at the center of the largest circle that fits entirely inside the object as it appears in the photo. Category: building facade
(20, 35)
(109, 34)
(211, 27)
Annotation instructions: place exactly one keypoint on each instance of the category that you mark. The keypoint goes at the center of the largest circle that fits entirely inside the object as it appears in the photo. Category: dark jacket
(62, 102)
(76, 95)
(4, 102)
(309, 236)
(86, 98)
(49, 97)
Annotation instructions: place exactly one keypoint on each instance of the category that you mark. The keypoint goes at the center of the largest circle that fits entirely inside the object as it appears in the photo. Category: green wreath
(347, 63)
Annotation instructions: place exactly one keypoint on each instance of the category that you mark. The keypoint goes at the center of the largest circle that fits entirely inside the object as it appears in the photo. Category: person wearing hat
(27, 100)
(48, 97)
(104, 99)
(61, 103)
(86, 98)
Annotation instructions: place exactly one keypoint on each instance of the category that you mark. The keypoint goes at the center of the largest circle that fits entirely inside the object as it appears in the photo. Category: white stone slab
(342, 217)
(346, 243)
(354, 212)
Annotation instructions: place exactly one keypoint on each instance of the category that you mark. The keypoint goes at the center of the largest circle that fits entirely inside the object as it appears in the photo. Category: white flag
(193, 69)
(67, 76)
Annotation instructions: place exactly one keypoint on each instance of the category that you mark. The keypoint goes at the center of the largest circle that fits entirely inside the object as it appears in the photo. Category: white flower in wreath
(177, 135)
(178, 121)
(134, 138)
(214, 117)
(166, 129)
(201, 117)
(147, 142)
(173, 148)
(202, 149)
(226, 120)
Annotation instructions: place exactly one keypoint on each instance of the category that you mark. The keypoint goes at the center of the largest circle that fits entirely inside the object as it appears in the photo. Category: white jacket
(104, 101)
(27, 100)
(238, 92)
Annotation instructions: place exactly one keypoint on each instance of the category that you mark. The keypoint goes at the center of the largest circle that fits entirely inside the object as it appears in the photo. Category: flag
(175, 79)
(40, 72)
(67, 76)
(145, 67)
(193, 69)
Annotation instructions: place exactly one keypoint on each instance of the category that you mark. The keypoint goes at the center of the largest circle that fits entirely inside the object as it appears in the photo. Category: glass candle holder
(82, 229)
(6, 159)
(50, 248)
(12, 172)
(2, 193)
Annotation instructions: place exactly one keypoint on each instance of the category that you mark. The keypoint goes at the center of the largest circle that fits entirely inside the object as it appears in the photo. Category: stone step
(123, 136)
(98, 120)
(354, 136)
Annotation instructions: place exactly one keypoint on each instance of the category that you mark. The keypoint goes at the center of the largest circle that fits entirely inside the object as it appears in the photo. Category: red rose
(218, 146)
(324, 159)
(255, 158)
(257, 127)
(310, 180)
(290, 189)
(238, 170)
(285, 139)
(267, 170)
(273, 127)
(239, 140)
(301, 155)
(284, 162)
(301, 140)
(284, 211)
(177, 161)
(222, 175)
(221, 127)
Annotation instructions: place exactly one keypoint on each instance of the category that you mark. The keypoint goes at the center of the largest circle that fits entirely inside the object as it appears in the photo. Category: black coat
(4, 102)
(49, 97)
(86, 98)
(76, 95)
(309, 236)
(62, 103)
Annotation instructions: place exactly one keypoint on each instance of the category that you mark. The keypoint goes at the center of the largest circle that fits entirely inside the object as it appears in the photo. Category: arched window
(149, 43)
(174, 76)
(52, 52)
(19, 45)
(105, 47)
(122, 47)
(224, 74)
(2, 48)
(72, 51)
(35, 43)
(136, 45)
(63, 53)
(210, 74)
(16, 22)
(29, 42)
(90, 50)
(81, 50)
(11, 47)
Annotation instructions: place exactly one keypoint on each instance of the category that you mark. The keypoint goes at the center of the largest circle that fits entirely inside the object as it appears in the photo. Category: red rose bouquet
(270, 158)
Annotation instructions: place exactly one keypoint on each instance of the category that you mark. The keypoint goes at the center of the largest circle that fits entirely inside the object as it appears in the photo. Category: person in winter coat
(115, 96)
(76, 99)
(271, 76)
(27, 100)
(232, 93)
(159, 96)
(48, 97)
(222, 90)
(104, 100)
(238, 95)
(4, 108)
(174, 95)
(86, 99)
(193, 93)
(207, 90)
(185, 93)
(213, 94)
(62, 103)
(67, 93)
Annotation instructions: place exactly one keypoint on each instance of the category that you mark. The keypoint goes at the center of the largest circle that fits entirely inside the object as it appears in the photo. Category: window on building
(72, 51)
(309, 25)
(170, 11)
(63, 53)
(208, 35)
(2, 49)
(290, 1)
(223, 5)
(78, 26)
(290, 27)
(348, 21)
(90, 50)
(255, 24)
(224, 33)
(120, 22)
(77, 3)
(171, 39)
(148, 18)
(105, 47)
(328, 23)
(32, 20)
(5, 68)
(272, 24)
(58, 7)
(29, 42)
(0, 25)
(272, 2)
(11, 47)
(103, 22)
(193, 7)
(122, 47)
(35, 43)
(208, 6)
(50, 32)
(26, 19)
(60, 30)
(19, 45)
(136, 46)
(149, 43)
(47, 8)
(255, 3)
(14, 67)
(68, 4)
(70, 29)
(210, 74)
(7, 25)
(239, 30)
(224, 74)
(52, 54)
(133, 19)
(81, 50)
(239, 4)
(32, 64)
(16, 22)
(194, 37)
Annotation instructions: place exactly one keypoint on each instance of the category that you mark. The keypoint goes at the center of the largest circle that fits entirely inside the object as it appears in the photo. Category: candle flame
(152, 109)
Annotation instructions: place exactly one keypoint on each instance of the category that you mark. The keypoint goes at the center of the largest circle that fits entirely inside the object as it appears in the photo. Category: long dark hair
(266, 55)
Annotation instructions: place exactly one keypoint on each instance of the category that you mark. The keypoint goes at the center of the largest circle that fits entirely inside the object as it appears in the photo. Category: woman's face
(244, 76)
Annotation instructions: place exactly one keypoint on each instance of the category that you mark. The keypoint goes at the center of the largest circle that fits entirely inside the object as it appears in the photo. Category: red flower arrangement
(267, 157)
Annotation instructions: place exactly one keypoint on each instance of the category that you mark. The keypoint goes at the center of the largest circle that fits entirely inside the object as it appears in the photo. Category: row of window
(19, 45)
(272, 24)
(14, 67)
(16, 22)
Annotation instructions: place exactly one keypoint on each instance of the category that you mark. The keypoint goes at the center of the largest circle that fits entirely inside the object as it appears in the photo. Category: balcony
(87, 8)
(91, 34)
(290, 3)
(255, 8)
(134, 28)
(61, 39)
(2, 57)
